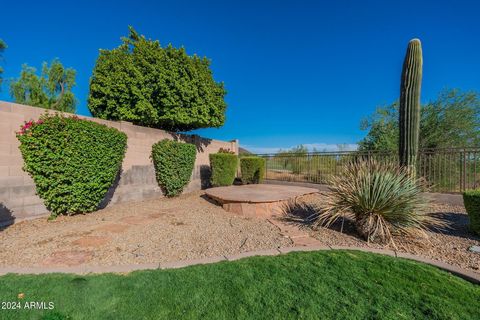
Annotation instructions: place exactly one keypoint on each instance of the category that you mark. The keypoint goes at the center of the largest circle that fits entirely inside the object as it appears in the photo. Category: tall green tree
(452, 120)
(155, 86)
(3, 46)
(51, 90)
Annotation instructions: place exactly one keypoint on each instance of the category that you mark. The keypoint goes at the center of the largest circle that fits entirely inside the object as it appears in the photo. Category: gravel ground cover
(450, 245)
(157, 230)
(192, 227)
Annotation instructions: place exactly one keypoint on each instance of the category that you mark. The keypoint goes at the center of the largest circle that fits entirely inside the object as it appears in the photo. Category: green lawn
(313, 285)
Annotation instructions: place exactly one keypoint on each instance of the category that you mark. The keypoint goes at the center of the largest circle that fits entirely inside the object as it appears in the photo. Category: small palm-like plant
(380, 197)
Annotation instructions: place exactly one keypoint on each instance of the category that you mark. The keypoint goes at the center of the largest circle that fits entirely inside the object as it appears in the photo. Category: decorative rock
(113, 227)
(137, 220)
(475, 249)
(91, 241)
(68, 258)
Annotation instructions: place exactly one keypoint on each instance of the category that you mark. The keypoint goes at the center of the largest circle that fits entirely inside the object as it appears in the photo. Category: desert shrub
(224, 168)
(471, 200)
(173, 162)
(73, 162)
(252, 169)
(381, 198)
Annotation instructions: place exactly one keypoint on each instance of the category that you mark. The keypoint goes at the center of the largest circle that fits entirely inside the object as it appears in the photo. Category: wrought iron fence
(444, 170)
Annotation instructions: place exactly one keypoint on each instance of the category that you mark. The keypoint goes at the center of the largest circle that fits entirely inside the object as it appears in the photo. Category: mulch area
(158, 230)
(450, 245)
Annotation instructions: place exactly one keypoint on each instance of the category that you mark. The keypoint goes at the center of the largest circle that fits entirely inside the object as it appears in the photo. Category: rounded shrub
(73, 162)
(252, 169)
(224, 168)
(471, 200)
(173, 162)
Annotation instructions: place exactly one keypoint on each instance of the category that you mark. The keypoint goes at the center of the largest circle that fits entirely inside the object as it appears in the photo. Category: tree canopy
(452, 120)
(155, 86)
(3, 46)
(51, 90)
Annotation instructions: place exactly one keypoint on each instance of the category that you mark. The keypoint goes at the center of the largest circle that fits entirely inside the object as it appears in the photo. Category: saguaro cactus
(409, 121)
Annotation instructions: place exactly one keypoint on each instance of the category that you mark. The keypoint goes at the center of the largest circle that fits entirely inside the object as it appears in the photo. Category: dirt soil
(153, 231)
(450, 245)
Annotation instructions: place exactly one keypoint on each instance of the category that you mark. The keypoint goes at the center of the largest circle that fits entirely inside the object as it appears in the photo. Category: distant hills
(243, 151)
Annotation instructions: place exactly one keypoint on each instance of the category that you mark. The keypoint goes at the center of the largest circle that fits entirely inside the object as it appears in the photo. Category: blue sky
(295, 71)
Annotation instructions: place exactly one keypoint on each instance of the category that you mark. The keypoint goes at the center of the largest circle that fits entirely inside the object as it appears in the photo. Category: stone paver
(259, 210)
(91, 241)
(299, 237)
(136, 220)
(306, 241)
(157, 215)
(68, 258)
(113, 228)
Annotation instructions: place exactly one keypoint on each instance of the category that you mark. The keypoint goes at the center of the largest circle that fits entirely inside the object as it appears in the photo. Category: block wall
(18, 200)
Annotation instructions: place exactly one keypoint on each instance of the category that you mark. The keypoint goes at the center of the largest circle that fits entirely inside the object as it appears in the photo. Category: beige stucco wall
(18, 200)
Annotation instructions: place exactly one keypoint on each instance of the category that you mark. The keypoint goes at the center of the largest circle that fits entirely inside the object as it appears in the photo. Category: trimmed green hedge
(73, 162)
(252, 169)
(471, 200)
(173, 162)
(224, 168)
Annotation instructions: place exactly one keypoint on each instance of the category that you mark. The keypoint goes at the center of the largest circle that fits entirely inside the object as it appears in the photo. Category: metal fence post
(464, 169)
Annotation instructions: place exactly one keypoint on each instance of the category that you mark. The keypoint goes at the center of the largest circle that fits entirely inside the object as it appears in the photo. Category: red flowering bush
(73, 162)
(27, 126)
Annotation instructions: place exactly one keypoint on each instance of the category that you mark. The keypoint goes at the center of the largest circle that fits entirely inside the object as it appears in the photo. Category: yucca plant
(382, 198)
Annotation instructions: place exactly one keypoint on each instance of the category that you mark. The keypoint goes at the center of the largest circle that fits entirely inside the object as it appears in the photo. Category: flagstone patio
(257, 200)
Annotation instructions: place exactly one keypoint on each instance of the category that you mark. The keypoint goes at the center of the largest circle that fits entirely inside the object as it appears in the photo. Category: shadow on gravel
(303, 215)
(457, 225)
(6, 217)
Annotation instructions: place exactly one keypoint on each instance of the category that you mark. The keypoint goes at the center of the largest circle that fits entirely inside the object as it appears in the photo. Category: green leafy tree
(156, 87)
(452, 120)
(51, 90)
(3, 46)
(382, 126)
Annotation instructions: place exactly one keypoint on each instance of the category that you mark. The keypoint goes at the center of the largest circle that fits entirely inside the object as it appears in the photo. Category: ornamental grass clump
(381, 198)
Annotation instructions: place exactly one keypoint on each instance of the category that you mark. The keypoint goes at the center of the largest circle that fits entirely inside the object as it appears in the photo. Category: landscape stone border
(83, 270)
